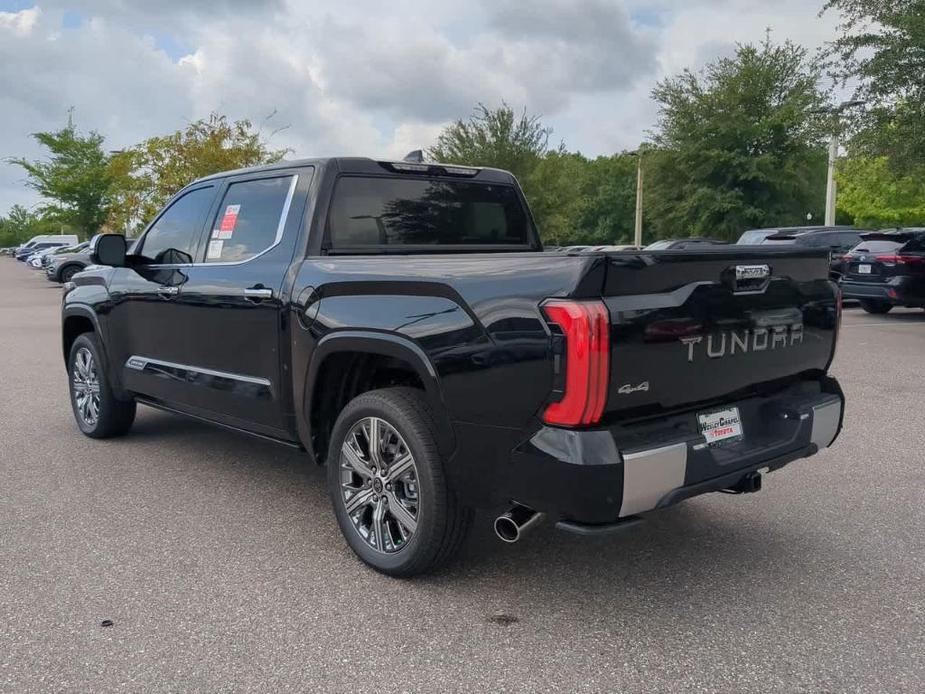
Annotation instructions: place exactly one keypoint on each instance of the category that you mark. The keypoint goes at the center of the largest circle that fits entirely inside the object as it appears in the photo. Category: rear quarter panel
(475, 317)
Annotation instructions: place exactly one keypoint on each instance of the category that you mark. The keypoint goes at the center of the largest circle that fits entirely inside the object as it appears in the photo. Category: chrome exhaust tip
(511, 526)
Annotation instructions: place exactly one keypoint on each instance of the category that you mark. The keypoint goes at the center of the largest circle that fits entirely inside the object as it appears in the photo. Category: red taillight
(901, 259)
(586, 327)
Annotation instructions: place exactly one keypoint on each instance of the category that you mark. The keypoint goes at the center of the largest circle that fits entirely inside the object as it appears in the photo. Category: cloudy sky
(361, 77)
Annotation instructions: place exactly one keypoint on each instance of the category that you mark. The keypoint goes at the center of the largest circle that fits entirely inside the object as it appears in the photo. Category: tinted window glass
(249, 219)
(173, 237)
(877, 247)
(755, 236)
(817, 240)
(916, 244)
(848, 240)
(393, 211)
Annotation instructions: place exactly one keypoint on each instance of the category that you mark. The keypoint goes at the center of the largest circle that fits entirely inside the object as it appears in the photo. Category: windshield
(658, 246)
(378, 211)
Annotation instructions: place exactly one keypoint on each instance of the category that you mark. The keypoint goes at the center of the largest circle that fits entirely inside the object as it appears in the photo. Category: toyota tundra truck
(401, 324)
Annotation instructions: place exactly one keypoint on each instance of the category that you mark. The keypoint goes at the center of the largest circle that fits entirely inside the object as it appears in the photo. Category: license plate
(864, 269)
(721, 425)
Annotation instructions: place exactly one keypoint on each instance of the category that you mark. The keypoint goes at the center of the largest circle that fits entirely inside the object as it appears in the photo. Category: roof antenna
(415, 156)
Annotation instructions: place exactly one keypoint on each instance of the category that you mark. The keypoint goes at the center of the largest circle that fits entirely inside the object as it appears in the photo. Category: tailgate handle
(747, 279)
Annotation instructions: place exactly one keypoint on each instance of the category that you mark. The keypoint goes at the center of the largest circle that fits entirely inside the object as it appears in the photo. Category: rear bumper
(604, 475)
(900, 291)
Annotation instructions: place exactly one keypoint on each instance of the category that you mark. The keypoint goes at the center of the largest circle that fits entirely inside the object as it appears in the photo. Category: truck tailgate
(691, 327)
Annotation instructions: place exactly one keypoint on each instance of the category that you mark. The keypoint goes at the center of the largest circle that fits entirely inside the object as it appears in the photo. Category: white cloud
(20, 23)
(361, 77)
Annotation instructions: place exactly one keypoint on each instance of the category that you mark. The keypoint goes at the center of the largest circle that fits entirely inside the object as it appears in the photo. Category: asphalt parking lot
(218, 560)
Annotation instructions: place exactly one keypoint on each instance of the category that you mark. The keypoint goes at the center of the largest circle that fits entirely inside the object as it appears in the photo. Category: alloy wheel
(379, 484)
(86, 386)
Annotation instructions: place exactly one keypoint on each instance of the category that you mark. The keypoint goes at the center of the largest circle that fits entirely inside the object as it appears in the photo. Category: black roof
(365, 165)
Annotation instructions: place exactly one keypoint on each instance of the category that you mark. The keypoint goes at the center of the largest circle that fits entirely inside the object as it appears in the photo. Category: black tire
(67, 273)
(114, 417)
(875, 306)
(442, 523)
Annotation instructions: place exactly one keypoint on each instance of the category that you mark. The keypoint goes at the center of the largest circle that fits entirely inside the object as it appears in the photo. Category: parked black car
(837, 242)
(23, 254)
(886, 269)
(401, 323)
(680, 244)
(756, 236)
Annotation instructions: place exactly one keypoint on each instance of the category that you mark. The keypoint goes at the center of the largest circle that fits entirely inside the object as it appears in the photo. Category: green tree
(553, 187)
(21, 224)
(737, 146)
(499, 138)
(882, 46)
(75, 180)
(516, 142)
(607, 206)
(876, 196)
(147, 175)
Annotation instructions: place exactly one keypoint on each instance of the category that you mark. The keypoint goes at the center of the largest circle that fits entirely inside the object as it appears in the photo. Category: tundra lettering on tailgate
(731, 342)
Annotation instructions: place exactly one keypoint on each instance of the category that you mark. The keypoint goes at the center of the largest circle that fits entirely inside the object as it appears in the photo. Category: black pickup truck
(401, 323)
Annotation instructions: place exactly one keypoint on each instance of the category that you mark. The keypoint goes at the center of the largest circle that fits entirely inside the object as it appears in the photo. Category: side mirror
(108, 249)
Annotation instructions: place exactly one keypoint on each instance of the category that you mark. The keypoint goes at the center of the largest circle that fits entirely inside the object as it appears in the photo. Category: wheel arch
(362, 357)
(76, 321)
(59, 273)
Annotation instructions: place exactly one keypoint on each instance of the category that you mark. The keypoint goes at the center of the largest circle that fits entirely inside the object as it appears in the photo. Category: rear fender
(369, 342)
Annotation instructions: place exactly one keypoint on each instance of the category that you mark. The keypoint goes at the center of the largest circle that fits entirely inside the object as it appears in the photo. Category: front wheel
(99, 413)
(386, 479)
(68, 271)
(874, 306)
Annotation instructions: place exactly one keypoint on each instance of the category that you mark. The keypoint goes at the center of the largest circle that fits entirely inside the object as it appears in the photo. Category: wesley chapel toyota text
(401, 323)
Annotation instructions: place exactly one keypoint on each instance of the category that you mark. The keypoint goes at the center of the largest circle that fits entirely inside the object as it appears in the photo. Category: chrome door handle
(165, 290)
(258, 293)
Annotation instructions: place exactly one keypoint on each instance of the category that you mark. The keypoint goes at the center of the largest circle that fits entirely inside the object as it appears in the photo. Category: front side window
(411, 212)
(173, 237)
(250, 219)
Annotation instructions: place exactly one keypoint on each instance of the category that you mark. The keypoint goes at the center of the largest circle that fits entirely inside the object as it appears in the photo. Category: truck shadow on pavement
(712, 547)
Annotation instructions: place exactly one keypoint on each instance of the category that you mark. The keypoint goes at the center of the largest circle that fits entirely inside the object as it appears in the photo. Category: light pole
(831, 191)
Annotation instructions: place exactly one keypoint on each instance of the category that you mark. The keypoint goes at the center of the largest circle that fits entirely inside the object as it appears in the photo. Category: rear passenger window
(250, 219)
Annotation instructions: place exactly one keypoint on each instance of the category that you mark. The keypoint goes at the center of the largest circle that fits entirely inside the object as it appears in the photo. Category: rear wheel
(875, 306)
(386, 479)
(99, 413)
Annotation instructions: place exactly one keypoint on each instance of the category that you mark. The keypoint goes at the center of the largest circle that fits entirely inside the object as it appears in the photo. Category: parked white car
(35, 260)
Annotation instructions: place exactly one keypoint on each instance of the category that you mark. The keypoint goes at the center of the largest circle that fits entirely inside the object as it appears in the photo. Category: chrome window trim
(139, 363)
(280, 227)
